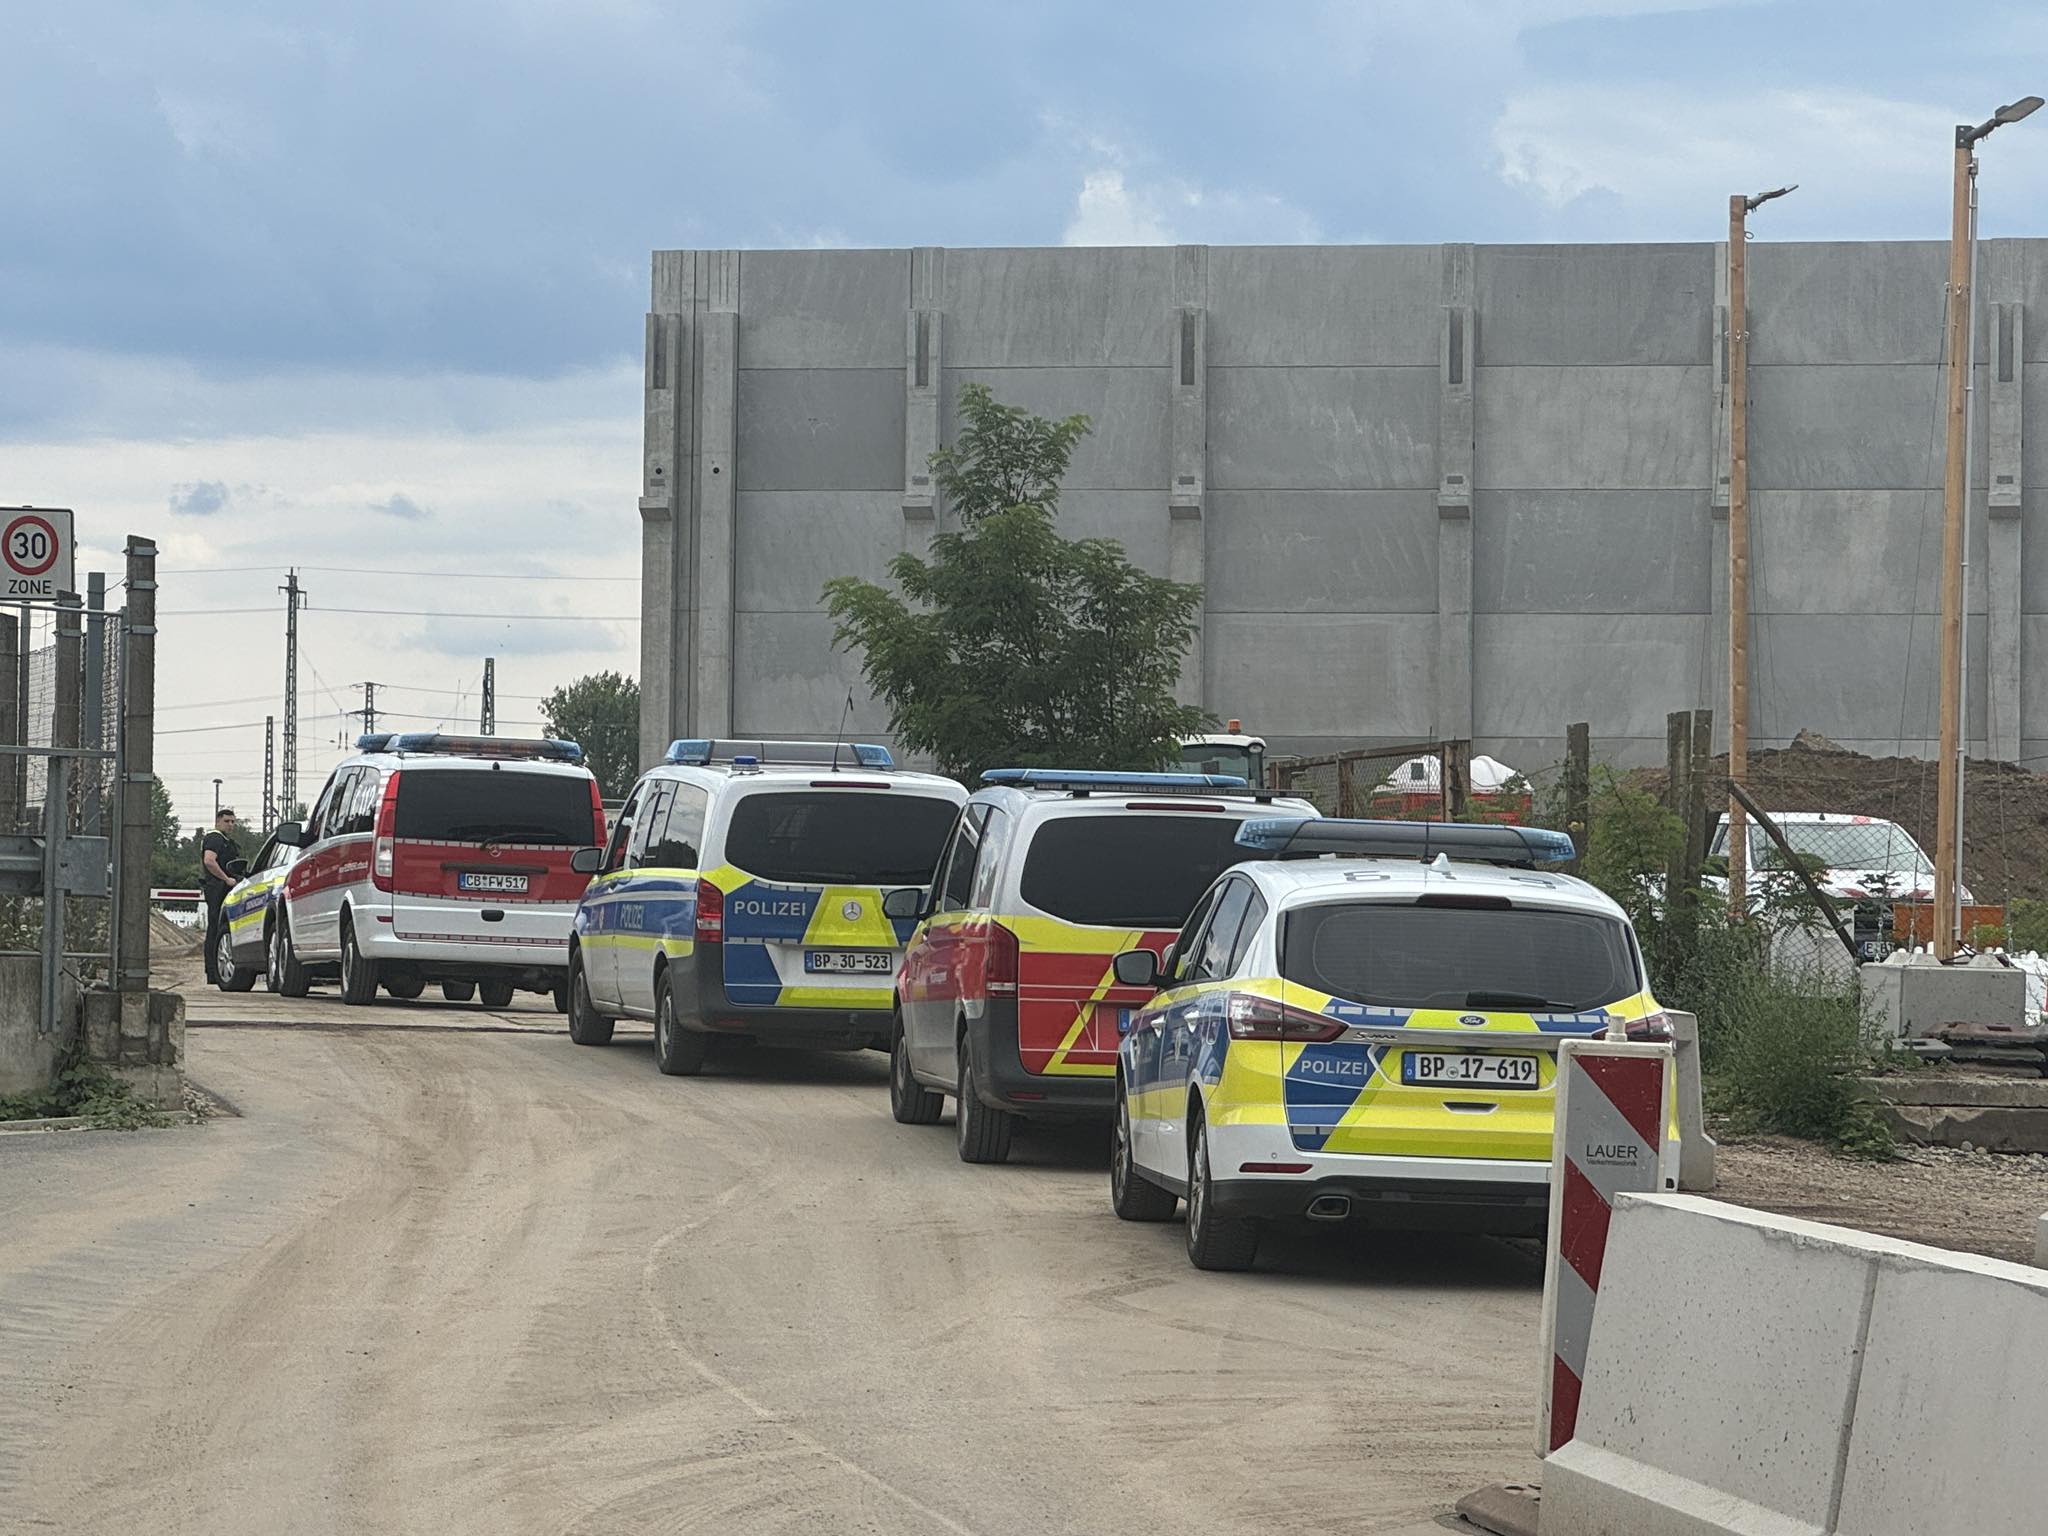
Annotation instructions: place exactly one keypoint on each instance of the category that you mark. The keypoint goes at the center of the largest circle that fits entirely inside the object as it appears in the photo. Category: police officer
(214, 880)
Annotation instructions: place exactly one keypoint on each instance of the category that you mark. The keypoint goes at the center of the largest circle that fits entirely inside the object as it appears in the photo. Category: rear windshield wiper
(1514, 1000)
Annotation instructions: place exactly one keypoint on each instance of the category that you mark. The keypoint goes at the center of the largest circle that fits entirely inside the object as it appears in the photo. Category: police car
(245, 910)
(742, 895)
(1363, 1023)
(1006, 1001)
(436, 858)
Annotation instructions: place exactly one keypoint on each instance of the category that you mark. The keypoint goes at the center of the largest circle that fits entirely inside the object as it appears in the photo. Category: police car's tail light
(1651, 1026)
(1265, 1018)
(710, 913)
(1001, 972)
(382, 857)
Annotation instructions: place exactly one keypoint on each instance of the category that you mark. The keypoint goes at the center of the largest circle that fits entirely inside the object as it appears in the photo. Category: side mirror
(237, 867)
(905, 902)
(1137, 968)
(587, 861)
(290, 834)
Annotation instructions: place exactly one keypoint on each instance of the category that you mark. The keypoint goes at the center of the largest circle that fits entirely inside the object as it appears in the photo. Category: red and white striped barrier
(1612, 1099)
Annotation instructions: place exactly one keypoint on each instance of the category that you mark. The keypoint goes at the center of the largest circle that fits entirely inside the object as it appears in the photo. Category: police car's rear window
(839, 836)
(462, 805)
(1522, 958)
(1127, 871)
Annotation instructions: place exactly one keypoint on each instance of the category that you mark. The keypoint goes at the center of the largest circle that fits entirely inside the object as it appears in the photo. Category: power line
(410, 613)
(377, 570)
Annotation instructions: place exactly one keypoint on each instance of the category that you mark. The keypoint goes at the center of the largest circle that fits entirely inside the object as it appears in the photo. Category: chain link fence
(1416, 781)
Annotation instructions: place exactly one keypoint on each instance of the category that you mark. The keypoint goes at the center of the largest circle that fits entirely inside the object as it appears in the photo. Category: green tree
(173, 860)
(601, 713)
(1012, 646)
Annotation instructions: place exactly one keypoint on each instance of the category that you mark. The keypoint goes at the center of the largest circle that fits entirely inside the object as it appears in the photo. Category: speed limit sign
(35, 553)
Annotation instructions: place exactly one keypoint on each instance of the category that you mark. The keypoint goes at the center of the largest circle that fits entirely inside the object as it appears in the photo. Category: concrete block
(1847, 302)
(806, 429)
(823, 309)
(2041, 1243)
(789, 543)
(1323, 428)
(1128, 406)
(1593, 428)
(1062, 307)
(1308, 306)
(1590, 552)
(1696, 1149)
(1953, 1088)
(1915, 997)
(29, 1058)
(2034, 419)
(1563, 305)
(1322, 551)
(1989, 1128)
(1528, 672)
(1353, 677)
(1852, 676)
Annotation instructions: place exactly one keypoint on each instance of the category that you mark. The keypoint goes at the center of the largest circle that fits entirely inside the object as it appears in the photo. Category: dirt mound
(170, 939)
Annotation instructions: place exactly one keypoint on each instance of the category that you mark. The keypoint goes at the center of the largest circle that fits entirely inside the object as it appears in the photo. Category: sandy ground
(446, 1271)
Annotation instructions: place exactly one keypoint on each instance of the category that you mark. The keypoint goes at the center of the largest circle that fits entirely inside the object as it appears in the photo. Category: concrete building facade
(1429, 491)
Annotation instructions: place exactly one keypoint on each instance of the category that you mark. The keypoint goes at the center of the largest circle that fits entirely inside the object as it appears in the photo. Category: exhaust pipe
(1329, 1208)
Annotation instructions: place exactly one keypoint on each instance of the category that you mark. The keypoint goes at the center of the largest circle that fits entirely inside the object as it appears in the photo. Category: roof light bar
(1109, 779)
(436, 743)
(373, 741)
(1478, 842)
(699, 752)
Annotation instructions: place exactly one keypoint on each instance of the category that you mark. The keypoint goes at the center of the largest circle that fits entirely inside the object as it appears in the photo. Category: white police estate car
(1363, 1021)
(741, 895)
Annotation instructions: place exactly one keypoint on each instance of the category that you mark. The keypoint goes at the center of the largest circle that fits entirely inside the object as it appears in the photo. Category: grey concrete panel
(1848, 302)
(1856, 552)
(1856, 676)
(1137, 520)
(1322, 428)
(1878, 427)
(1561, 305)
(1322, 551)
(791, 678)
(2034, 416)
(789, 543)
(1128, 448)
(1596, 428)
(1323, 674)
(2009, 271)
(822, 430)
(1060, 307)
(1302, 306)
(823, 309)
(1591, 552)
(1532, 673)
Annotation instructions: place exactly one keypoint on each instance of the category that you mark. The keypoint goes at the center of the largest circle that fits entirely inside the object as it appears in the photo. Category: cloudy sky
(360, 286)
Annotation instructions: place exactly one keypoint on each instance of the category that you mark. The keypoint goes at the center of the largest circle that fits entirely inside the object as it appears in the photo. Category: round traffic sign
(29, 547)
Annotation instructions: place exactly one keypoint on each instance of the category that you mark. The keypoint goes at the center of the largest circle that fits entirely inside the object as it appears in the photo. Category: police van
(741, 895)
(436, 858)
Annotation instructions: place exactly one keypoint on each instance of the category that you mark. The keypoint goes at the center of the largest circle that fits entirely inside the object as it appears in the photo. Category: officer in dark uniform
(214, 880)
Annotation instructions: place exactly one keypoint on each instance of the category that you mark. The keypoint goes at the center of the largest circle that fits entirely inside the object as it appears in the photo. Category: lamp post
(1739, 210)
(216, 799)
(1962, 307)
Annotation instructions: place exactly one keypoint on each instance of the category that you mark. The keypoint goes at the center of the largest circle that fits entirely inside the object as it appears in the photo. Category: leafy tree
(173, 860)
(601, 713)
(1011, 645)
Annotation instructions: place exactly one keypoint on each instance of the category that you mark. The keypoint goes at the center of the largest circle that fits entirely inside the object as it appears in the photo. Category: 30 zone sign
(35, 553)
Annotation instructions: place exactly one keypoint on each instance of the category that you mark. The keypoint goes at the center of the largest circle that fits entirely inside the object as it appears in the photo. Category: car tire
(1214, 1242)
(679, 1052)
(358, 975)
(494, 994)
(559, 996)
(229, 976)
(1131, 1195)
(458, 991)
(287, 977)
(405, 986)
(909, 1100)
(586, 1025)
(981, 1134)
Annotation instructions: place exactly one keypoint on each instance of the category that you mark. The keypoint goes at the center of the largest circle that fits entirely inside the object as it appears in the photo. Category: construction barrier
(1758, 1374)
(1696, 1149)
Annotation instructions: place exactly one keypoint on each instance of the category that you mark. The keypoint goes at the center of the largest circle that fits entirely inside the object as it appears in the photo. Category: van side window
(319, 824)
(956, 883)
(622, 831)
(362, 808)
(675, 845)
(649, 825)
(995, 842)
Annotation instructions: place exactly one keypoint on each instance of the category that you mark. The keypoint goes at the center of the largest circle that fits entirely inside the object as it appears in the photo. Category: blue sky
(362, 285)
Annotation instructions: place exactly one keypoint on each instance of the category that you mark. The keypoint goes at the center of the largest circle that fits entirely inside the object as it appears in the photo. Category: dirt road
(451, 1281)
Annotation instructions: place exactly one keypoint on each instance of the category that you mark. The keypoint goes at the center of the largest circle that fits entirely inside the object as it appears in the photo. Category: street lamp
(1739, 210)
(216, 799)
(1962, 335)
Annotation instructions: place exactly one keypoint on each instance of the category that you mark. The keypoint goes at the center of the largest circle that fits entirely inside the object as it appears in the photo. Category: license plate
(1467, 1069)
(850, 962)
(484, 881)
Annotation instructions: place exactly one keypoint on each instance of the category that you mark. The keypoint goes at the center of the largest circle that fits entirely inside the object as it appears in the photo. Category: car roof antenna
(845, 717)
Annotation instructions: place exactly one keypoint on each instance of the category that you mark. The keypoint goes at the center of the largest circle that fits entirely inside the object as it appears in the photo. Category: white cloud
(198, 498)
(1107, 212)
(1113, 208)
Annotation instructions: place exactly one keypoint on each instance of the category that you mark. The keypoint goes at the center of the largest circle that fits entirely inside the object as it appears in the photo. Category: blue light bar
(373, 741)
(436, 742)
(699, 752)
(1478, 842)
(1109, 779)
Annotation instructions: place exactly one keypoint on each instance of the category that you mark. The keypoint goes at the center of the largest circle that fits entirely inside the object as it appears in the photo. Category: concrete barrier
(1762, 1375)
(1696, 1148)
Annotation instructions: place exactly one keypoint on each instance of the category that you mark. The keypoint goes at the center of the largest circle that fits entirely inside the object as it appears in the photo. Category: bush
(89, 1089)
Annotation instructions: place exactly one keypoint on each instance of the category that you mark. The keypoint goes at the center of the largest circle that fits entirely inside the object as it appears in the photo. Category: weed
(85, 1088)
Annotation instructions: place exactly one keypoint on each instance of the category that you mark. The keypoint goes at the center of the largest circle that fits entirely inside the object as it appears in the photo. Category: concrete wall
(1429, 490)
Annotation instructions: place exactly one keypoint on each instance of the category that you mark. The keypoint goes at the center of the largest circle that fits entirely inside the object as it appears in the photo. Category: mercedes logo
(851, 911)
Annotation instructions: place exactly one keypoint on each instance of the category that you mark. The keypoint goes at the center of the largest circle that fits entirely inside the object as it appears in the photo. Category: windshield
(839, 837)
(462, 805)
(1839, 845)
(1248, 763)
(1127, 871)
(1400, 956)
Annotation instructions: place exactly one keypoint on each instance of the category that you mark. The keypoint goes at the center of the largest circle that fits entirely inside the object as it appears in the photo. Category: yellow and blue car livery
(1321, 1106)
(245, 911)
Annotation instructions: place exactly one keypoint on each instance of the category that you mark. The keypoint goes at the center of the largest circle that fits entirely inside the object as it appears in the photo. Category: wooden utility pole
(1953, 492)
(1738, 556)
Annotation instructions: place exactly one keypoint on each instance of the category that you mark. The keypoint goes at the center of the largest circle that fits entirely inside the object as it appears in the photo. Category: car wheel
(981, 1134)
(586, 1026)
(458, 991)
(679, 1052)
(405, 986)
(1131, 1195)
(229, 976)
(909, 1100)
(358, 976)
(287, 977)
(494, 994)
(1214, 1242)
